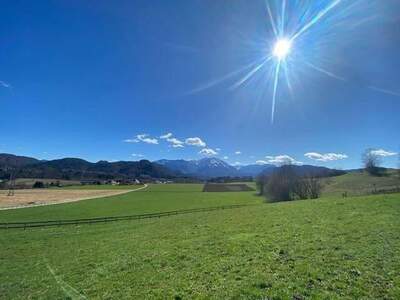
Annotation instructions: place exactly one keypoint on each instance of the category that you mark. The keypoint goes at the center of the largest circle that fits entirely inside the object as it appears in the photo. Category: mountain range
(75, 168)
(214, 167)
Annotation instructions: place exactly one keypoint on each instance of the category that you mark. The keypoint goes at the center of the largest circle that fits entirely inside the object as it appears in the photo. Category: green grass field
(329, 248)
(359, 183)
(156, 198)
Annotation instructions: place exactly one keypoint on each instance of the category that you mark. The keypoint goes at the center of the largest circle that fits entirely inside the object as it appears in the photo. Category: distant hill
(317, 171)
(254, 170)
(74, 168)
(12, 161)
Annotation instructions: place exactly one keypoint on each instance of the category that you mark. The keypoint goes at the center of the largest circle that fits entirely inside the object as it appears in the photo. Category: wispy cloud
(137, 155)
(207, 152)
(177, 146)
(175, 143)
(282, 159)
(325, 157)
(383, 153)
(5, 84)
(131, 141)
(385, 91)
(261, 162)
(226, 157)
(195, 141)
(238, 152)
(166, 136)
(142, 138)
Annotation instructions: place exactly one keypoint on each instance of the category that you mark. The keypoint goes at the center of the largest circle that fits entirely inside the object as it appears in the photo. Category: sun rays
(298, 28)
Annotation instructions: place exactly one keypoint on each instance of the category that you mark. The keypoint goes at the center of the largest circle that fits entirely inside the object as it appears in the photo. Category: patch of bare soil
(37, 197)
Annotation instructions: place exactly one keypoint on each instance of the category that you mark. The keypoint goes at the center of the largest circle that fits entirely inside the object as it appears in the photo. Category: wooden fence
(35, 224)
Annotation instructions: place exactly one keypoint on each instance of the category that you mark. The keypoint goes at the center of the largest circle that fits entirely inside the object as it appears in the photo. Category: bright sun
(282, 48)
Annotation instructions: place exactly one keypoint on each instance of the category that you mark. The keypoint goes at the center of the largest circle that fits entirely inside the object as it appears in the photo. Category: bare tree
(371, 162)
(314, 187)
(281, 184)
(307, 187)
(261, 182)
(398, 172)
(301, 188)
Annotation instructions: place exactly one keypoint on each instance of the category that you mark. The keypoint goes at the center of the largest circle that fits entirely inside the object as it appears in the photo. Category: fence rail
(48, 223)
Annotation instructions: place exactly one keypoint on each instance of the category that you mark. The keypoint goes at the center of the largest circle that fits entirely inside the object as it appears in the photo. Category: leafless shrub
(371, 162)
(284, 184)
(261, 182)
(281, 184)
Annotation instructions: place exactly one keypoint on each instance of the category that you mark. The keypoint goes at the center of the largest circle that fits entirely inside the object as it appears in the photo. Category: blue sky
(106, 79)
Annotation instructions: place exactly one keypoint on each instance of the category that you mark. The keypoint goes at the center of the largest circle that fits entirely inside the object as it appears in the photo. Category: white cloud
(237, 164)
(208, 152)
(282, 159)
(177, 146)
(226, 157)
(145, 139)
(166, 136)
(384, 153)
(5, 84)
(217, 149)
(142, 138)
(195, 141)
(137, 155)
(175, 143)
(261, 162)
(325, 157)
(131, 141)
(238, 152)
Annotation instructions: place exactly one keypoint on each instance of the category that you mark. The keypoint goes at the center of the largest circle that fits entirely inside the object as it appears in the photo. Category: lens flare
(282, 48)
(299, 32)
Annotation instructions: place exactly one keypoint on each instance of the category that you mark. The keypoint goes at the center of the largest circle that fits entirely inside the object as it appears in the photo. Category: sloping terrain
(360, 183)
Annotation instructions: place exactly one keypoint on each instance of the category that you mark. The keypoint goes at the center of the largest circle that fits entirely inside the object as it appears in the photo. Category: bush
(281, 184)
(285, 184)
(38, 185)
(261, 182)
(371, 162)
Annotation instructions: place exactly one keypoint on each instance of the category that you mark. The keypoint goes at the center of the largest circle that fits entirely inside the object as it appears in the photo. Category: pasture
(329, 248)
(155, 198)
(360, 183)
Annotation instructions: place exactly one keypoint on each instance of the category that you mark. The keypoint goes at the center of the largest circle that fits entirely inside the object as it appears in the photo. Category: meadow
(360, 183)
(155, 198)
(330, 248)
